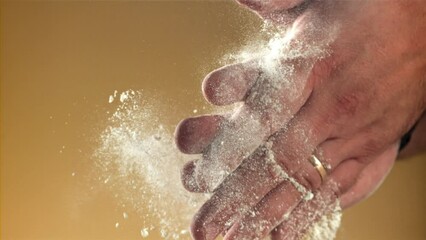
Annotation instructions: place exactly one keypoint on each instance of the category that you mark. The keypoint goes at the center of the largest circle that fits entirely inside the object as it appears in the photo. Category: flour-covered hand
(348, 105)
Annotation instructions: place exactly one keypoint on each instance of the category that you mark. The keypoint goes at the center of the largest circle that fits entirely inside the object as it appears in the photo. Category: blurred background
(60, 62)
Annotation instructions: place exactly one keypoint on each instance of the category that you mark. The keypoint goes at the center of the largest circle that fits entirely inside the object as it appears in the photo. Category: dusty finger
(307, 213)
(230, 83)
(236, 140)
(193, 135)
(188, 177)
(272, 210)
(242, 190)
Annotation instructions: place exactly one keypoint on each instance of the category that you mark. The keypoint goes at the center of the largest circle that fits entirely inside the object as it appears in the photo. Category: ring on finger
(318, 166)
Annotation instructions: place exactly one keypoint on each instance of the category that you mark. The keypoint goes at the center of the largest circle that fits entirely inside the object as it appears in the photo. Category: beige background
(59, 63)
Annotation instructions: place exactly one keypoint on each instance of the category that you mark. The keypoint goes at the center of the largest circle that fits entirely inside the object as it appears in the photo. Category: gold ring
(318, 165)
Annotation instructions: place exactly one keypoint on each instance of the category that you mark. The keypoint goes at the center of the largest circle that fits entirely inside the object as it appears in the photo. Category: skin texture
(350, 109)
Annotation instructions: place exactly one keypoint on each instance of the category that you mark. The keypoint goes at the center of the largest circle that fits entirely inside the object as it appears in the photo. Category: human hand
(349, 108)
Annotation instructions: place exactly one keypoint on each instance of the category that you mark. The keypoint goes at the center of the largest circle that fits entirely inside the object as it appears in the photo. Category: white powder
(112, 97)
(144, 232)
(318, 219)
(236, 140)
(326, 228)
(124, 96)
(137, 160)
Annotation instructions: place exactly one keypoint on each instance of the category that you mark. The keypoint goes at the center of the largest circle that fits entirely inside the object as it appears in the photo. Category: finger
(187, 177)
(307, 213)
(230, 83)
(236, 139)
(334, 151)
(330, 152)
(294, 146)
(362, 145)
(238, 193)
(272, 210)
(370, 178)
(193, 135)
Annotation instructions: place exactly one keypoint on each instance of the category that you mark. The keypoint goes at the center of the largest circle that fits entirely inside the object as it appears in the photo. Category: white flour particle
(144, 232)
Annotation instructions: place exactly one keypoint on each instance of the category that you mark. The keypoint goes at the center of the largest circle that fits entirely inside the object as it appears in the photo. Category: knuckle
(310, 180)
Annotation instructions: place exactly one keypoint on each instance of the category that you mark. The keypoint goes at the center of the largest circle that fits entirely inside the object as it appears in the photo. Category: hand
(349, 108)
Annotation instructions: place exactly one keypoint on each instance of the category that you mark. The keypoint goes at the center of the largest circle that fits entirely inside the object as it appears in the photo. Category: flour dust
(138, 161)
